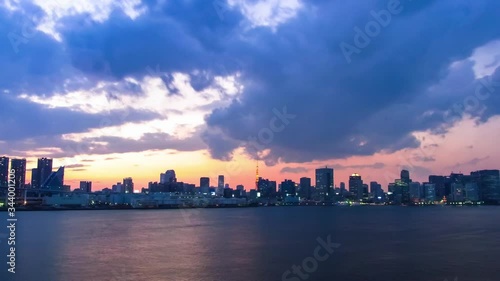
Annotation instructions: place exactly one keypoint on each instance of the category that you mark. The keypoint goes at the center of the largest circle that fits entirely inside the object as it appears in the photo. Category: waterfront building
(55, 181)
(488, 182)
(415, 192)
(287, 188)
(220, 185)
(324, 182)
(128, 185)
(4, 171)
(86, 186)
(43, 171)
(471, 192)
(356, 186)
(305, 187)
(19, 167)
(430, 192)
(204, 185)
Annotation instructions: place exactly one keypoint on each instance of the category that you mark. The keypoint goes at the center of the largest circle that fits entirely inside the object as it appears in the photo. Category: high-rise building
(204, 185)
(403, 189)
(220, 185)
(168, 177)
(266, 188)
(86, 186)
(488, 182)
(240, 191)
(34, 178)
(415, 191)
(471, 192)
(366, 194)
(19, 167)
(287, 188)
(342, 188)
(457, 192)
(324, 182)
(4, 171)
(430, 192)
(440, 185)
(128, 185)
(356, 186)
(43, 171)
(405, 176)
(374, 187)
(392, 193)
(55, 181)
(118, 187)
(376, 190)
(305, 187)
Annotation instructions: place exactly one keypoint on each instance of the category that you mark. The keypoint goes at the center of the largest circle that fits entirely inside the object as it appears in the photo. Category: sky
(131, 88)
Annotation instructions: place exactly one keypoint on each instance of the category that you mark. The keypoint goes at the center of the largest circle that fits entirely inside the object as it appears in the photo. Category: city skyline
(218, 181)
(298, 97)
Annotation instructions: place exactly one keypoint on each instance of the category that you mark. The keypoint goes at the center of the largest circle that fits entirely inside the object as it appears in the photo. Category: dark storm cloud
(176, 36)
(149, 141)
(220, 146)
(370, 105)
(22, 119)
(31, 61)
(103, 145)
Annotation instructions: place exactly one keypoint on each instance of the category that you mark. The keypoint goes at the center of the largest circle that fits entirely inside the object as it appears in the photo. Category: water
(376, 244)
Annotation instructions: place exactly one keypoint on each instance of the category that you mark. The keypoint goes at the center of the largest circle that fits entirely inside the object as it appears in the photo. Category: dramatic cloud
(270, 77)
(22, 119)
(399, 84)
(55, 147)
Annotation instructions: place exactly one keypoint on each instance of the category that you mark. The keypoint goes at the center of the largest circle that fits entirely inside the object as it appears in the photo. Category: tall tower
(43, 171)
(405, 176)
(220, 185)
(324, 182)
(19, 167)
(257, 177)
(4, 171)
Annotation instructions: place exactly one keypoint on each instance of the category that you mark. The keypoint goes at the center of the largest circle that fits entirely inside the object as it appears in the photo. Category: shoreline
(169, 207)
